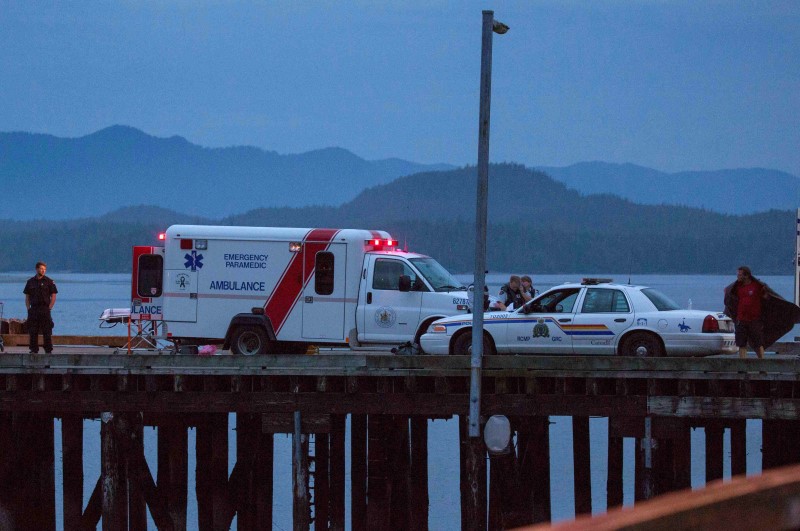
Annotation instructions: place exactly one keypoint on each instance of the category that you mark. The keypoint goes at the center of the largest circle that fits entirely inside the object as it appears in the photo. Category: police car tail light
(710, 324)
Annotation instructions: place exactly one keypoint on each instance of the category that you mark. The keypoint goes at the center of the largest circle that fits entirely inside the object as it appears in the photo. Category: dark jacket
(778, 315)
(511, 296)
(39, 290)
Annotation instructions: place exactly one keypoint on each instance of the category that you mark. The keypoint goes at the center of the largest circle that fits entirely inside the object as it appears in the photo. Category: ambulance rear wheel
(249, 341)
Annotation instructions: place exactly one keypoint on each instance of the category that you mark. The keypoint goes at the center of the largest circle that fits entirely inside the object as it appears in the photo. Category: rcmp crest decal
(540, 329)
(385, 317)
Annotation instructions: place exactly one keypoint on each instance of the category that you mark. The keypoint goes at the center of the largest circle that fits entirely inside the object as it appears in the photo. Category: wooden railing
(767, 501)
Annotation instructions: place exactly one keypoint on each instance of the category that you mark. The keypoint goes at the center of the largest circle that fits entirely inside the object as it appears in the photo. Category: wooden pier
(389, 399)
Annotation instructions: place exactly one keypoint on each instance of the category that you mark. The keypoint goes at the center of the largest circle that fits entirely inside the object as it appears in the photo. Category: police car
(595, 316)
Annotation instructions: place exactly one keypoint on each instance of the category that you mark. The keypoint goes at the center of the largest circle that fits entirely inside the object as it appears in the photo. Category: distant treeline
(535, 224)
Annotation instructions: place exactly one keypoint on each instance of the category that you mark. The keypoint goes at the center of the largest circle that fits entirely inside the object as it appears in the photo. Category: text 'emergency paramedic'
(235, 285)
(246, 261)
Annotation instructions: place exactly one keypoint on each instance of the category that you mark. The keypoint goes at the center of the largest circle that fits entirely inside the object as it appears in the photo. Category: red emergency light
(162, 236)
(378, 244)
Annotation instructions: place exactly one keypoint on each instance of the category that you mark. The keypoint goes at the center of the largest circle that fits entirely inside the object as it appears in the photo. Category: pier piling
(389, 401)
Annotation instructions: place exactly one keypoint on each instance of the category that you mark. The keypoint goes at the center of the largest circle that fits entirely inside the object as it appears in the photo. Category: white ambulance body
(269, 289)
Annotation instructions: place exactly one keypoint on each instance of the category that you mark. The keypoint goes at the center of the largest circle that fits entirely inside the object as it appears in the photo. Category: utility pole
(490, 26)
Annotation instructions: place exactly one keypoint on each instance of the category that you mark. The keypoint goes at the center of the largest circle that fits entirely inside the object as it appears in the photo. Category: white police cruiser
(595, 316)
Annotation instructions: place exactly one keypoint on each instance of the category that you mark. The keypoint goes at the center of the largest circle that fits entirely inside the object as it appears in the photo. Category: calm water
(82, 298)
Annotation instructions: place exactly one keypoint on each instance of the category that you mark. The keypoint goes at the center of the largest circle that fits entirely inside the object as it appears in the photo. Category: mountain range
(433, 213)
(48, 177)
(734, 191)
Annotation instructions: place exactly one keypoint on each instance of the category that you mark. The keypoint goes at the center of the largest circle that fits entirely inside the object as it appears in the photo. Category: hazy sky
(669, 84)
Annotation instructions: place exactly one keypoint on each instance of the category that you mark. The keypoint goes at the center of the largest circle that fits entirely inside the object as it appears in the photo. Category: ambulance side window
(323, 283)
(150, 276)
(387, 274)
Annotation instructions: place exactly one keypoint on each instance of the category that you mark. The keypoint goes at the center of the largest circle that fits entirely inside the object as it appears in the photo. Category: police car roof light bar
(595, 281)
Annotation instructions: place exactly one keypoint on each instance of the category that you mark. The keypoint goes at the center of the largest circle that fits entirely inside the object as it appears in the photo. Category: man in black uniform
(40, 296)
(511, 293)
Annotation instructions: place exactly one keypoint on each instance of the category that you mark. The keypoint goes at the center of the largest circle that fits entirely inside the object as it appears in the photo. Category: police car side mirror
(405, 283)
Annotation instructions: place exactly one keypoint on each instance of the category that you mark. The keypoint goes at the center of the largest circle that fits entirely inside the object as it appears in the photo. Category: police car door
(323, 297)
(604, 314)
(546, 328)
(391, 315)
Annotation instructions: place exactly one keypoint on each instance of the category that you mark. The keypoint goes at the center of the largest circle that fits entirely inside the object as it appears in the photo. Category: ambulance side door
(181, 278)
(323, 297)
(180, 293)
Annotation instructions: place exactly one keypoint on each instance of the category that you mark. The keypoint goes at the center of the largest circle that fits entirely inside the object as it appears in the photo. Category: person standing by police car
(40, 297)
(744, 301)
(511, 294)
(527, 288)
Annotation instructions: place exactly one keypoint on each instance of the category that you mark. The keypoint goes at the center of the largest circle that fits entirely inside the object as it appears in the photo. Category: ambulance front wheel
(249, 341)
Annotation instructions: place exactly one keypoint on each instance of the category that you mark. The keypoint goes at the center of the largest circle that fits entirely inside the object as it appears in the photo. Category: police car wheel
(642, 345)
(463, 345)
(249, 341)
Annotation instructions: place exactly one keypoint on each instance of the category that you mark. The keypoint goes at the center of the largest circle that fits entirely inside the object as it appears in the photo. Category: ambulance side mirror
(405, 283)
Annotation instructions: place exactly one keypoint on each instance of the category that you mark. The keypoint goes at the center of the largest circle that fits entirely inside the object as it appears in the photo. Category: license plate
(726, 326)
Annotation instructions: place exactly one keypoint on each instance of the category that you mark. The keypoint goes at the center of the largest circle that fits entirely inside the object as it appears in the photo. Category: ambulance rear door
(147, 283)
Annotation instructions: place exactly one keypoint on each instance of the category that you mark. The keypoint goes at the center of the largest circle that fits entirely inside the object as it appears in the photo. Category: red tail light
(710, 324)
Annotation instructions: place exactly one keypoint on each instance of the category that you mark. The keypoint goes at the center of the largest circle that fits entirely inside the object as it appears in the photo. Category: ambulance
(258, 290)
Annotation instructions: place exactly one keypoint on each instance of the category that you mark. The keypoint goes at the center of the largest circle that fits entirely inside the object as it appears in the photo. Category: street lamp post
(490, 25)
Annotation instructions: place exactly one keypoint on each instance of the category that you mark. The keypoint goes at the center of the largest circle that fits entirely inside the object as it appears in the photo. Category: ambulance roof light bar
(379, 244)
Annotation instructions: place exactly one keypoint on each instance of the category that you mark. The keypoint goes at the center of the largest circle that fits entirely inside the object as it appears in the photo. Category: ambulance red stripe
(296, 276)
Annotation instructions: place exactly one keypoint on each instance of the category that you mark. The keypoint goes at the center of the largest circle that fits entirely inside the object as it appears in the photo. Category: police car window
(561, 301)
(387, 274)
(150, 275)
(659, 300)
(605, 301)
(323, 273)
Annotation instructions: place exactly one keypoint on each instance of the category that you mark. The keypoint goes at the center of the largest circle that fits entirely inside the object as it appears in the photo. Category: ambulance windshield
(436, 275)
